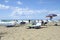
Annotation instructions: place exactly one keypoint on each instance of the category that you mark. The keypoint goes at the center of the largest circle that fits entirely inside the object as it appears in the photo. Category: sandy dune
(22, 33)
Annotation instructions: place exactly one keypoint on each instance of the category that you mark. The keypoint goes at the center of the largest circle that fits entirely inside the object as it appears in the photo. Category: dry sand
(22, 33)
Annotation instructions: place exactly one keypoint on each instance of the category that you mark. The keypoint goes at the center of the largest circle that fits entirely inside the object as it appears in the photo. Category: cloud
(42, 2)
(19, 2)
(54, 12)
(58, 14)
(45, 2)
(4, 6)
(6, 1)
(29, 13)
(17, 12)
(26, 12)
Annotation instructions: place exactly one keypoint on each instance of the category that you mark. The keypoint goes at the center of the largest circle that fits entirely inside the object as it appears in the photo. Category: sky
(29, 9)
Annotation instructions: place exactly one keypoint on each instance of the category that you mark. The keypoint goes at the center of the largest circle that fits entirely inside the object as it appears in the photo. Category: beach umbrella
(51, 16)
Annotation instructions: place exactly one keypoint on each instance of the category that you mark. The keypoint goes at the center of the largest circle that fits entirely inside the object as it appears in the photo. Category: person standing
(29, 21)
(42, 22)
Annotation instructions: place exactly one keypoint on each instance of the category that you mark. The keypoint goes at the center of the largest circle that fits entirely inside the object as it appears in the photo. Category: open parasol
(51, 16)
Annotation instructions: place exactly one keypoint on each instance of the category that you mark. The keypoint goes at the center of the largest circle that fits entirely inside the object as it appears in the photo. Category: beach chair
(36, 26)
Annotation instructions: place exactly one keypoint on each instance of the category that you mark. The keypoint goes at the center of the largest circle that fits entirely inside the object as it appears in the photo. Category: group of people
(44, 22)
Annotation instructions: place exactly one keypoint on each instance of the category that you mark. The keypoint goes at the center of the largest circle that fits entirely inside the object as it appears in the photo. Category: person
(45, 22)
(29, 21)
(42, 22)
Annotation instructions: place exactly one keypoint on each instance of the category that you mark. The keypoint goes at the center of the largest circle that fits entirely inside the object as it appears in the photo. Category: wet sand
(22, 33)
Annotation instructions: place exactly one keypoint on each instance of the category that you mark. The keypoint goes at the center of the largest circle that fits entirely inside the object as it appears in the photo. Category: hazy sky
(28, 9)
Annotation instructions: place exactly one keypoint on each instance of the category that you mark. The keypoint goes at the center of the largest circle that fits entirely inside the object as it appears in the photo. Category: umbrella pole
(51, 18)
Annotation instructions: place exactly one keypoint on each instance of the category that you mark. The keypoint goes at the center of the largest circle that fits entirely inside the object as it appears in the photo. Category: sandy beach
(22, 33)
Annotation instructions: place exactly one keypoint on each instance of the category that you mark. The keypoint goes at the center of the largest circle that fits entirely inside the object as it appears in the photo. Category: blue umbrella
(51, 16)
